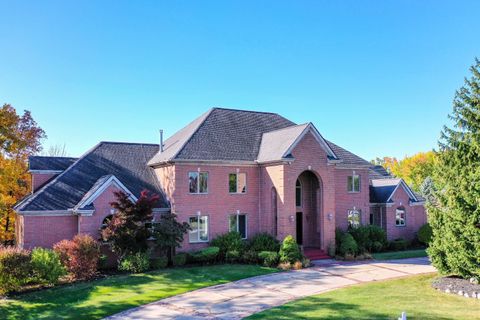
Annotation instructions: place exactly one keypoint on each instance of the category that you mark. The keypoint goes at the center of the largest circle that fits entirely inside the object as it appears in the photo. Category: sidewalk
(242, 298)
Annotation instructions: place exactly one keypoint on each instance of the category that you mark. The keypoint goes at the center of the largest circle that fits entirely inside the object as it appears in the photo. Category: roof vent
(161, 140)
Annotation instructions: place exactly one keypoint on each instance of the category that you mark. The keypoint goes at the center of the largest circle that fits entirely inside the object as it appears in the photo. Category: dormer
(43, 169)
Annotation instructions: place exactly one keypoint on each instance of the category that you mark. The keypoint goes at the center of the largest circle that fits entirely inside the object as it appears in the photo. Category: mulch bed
(459, 286)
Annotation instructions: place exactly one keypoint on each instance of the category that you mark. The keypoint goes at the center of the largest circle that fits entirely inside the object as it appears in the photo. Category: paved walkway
(239, 299)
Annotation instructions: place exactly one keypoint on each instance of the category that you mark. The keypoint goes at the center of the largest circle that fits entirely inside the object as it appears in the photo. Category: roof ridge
(241, 110)
(130, 143)
(289, 127)
(35, 194)
(58, 157)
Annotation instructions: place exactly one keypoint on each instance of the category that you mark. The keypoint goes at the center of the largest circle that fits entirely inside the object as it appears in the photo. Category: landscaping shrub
(46, 266)
(180, 259)
(338, 237)
(269, 258)
(206, 255)
(80, 256)
(369, 238)
(159, 262)
(136, 263)
(285, 266)
(250, 257)
(15, 269)
(231, 241)
(348, 245)
(399, 244)
(297, 265)
(290, 251)
(425, 234)
(232, 256)
(264, 242)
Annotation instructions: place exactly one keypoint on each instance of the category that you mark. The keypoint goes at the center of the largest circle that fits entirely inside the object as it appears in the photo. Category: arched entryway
(308, 209)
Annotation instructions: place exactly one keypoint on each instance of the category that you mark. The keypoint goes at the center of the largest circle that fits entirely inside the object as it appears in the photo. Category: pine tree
(455, 213)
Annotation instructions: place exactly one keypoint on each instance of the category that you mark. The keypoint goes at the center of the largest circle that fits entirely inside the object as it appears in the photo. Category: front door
(299, 228)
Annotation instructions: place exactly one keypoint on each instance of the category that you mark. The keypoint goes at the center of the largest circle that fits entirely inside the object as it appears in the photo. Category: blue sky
(376, 77)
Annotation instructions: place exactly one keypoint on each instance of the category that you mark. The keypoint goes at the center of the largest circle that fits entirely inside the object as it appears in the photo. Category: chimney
(161, 140)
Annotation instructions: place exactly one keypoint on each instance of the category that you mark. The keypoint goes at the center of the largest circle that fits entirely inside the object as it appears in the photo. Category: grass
(400, 254)
(100, 298)
(380, 300)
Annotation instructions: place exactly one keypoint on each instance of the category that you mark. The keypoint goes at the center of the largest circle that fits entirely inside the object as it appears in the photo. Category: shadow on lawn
(320, 308)
(101, 298)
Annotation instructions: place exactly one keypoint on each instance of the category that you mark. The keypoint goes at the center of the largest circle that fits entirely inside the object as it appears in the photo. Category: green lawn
(100, 298)
(380, 300)
(400, 254)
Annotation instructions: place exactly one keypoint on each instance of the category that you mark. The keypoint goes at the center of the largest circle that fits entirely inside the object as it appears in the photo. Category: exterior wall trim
(46, 213)
(405, 187)
(45, 171)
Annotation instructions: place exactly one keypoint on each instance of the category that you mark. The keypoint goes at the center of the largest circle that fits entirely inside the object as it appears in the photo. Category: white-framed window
(106, 221)
(353, 217)
(400, 217)
(199, 229)
(298, 193)
(353, 183)
(237, 183)
(198, 182)
(238, 222)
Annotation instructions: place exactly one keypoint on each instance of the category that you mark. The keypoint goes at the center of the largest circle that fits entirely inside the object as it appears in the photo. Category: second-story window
(198, 182)
(237, 182)
(353, 183)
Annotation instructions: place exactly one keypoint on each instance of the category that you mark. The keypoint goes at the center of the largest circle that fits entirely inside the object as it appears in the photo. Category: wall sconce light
(292, 218)
(330, 217)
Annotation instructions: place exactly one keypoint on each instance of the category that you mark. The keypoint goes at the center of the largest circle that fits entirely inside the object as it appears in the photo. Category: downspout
(259, 197)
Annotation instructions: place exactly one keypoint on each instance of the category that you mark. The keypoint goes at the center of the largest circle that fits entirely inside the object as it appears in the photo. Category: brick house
(227, 170)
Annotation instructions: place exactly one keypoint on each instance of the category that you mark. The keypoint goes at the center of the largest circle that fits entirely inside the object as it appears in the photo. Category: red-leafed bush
(80, 256)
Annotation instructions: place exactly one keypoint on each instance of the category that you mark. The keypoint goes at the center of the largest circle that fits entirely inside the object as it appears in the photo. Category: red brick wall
(309, 155)
(415, 217)
(40, 179)
(45, 231)
(218, 203)
(347, 200)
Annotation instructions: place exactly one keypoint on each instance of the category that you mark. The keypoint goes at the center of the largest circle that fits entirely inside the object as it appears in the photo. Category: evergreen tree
(455, 214)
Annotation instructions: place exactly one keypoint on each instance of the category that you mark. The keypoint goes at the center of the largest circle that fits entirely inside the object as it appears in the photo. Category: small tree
(169, 233)
(127, 232)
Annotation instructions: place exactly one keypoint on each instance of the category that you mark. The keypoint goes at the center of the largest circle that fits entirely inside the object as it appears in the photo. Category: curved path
(239, 299)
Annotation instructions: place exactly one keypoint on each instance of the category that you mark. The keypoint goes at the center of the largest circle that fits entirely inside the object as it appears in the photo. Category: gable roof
(378, 172)
(278, 144)
(237, 135)
(44, 163)
(126, 161)
(382, 190)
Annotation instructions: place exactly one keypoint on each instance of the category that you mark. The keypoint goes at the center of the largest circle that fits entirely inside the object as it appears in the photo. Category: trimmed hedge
(399, 244)
(231, 241)
(348, 245)
(206, 255)
(180, 259)
(264, 242)
(158, 262)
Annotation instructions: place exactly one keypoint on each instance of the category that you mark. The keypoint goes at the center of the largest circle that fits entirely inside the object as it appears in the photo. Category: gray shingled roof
(233, 135)
(50, 163)
(382, 189)
(274, 144)
(126, 161)
(346, 156)
(378, 172)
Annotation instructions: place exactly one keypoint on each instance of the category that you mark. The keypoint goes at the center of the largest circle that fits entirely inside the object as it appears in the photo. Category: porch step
(315, 254)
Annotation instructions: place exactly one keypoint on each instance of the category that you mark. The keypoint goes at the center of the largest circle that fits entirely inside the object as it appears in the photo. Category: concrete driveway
(242, 298)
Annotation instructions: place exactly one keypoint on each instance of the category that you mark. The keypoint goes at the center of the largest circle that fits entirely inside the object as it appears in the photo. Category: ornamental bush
(180, 259)
(15, 269)
(206, 255)
(250, 257)
(369, 238)
(399, 244)
(264, 242)
(159, 262)
(348, 245)
(46, 266)
(269, 258)
(290, 251)
(232, 256)
(136, 263)
(80, 256)
(425, 234)
(231, 241)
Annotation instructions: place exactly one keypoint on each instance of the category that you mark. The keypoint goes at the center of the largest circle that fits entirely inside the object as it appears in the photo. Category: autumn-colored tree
(414, 170)
(20, 137)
